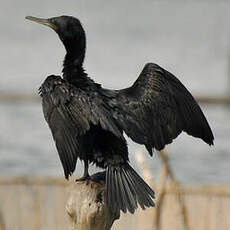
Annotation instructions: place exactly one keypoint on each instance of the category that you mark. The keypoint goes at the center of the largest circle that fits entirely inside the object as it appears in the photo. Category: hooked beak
(42, 21)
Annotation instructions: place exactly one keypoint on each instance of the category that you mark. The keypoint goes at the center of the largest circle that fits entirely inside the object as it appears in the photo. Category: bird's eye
(52, 21)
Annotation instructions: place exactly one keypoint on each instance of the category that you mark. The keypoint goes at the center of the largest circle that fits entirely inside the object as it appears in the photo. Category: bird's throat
(75, 47)
(72, 65)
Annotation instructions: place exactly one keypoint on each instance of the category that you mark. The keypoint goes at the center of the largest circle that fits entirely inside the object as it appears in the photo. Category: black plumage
(88, 122)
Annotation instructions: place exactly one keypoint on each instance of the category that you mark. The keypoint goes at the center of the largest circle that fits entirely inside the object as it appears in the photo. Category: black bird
(88, 121)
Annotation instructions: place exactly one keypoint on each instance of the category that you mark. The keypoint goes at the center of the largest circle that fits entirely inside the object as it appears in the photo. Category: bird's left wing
(157, 108)
(70, 112)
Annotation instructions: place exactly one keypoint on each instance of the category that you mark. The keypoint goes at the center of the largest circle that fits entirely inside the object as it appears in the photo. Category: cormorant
(88, 122)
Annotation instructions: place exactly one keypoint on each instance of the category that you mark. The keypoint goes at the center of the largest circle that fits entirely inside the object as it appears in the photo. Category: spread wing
(70, 112)
(157, 108)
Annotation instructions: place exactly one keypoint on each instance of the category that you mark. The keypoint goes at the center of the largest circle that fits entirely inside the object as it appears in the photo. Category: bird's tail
(125, 189)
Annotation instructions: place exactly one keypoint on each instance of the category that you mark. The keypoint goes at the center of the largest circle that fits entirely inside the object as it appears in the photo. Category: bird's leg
(86, 175)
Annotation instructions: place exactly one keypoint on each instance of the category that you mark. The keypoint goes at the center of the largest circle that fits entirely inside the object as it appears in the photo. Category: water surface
(189, 38)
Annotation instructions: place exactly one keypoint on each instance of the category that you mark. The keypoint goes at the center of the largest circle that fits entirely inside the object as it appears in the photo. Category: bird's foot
(83, 178)
(99, 177)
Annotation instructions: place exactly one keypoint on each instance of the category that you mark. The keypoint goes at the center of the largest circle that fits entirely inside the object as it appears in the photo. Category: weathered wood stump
(86, 207)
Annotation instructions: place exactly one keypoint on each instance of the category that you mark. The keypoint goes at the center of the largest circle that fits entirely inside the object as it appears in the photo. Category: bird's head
(69, 30)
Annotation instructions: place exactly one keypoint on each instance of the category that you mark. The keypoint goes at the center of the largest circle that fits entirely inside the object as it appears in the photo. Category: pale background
(189, 38)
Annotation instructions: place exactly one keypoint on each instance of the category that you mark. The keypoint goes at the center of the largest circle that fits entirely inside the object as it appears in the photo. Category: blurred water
(27, 147)
(189, 38)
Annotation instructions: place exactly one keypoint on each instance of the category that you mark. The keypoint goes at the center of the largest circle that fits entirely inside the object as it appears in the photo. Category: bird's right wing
(157, 108)
(70, 112)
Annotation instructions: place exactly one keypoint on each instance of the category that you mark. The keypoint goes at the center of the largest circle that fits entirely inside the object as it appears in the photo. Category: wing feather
(70, 112)
(157, 108)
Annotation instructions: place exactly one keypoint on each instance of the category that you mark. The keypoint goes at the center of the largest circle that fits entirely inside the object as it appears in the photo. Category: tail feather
(120, 199)
(122, 192)
(110, 186)
(131, 186)
(130, 195)
(143, 190)
(126, 193)
(141, 181)
(137, 191)
(125, 189)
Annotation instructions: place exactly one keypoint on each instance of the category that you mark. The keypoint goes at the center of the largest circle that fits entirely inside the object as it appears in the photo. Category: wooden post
(86, 207)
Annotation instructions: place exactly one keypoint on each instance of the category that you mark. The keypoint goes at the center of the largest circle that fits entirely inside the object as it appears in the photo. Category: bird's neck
(73, 70)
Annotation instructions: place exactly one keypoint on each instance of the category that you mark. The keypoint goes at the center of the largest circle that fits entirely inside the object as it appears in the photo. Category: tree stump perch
(86, 207)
